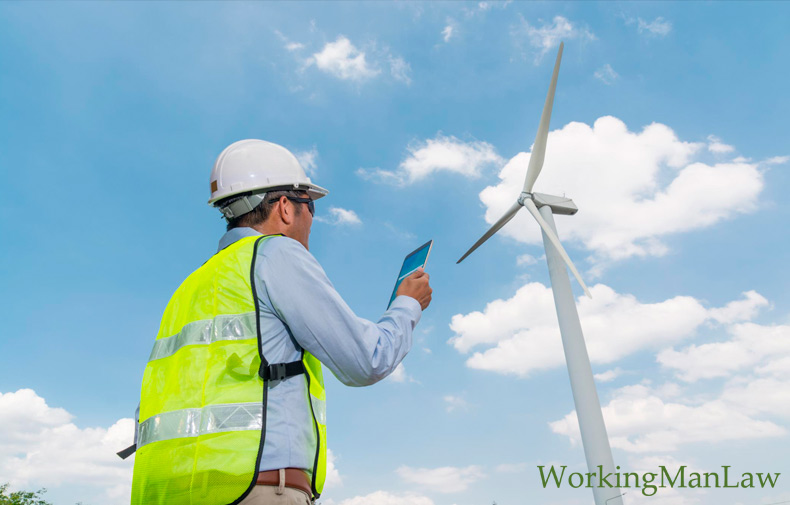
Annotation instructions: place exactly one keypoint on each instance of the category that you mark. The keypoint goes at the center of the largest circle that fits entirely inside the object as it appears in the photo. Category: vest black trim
(263, 361)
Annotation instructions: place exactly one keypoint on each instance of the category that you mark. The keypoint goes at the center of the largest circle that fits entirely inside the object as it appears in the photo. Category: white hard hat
(256, 165)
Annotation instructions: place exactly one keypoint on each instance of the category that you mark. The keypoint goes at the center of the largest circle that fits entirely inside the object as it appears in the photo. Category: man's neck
(272, 229)
(277, 228)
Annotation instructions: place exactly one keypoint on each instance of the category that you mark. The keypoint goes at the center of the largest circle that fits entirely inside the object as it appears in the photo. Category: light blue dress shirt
(300, 309)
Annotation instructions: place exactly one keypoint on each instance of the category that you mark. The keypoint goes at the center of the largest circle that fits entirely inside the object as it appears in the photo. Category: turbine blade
(539, 148)
(533, 209)
(495, 228)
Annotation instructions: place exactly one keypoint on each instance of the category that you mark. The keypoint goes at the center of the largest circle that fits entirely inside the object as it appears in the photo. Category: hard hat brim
(313, 190)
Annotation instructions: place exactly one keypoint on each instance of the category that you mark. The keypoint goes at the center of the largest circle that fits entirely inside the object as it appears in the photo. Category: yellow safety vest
(203, 401)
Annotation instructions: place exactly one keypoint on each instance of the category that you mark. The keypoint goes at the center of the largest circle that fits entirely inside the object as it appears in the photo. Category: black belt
(280, 371)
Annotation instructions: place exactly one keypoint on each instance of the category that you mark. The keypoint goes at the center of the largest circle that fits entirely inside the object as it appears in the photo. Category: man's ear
(286, 211)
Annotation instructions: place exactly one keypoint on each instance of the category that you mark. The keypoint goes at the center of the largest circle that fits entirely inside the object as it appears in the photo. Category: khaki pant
(276, 495)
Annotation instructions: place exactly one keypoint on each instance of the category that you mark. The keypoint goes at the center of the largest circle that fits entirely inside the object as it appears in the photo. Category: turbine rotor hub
(523, 197)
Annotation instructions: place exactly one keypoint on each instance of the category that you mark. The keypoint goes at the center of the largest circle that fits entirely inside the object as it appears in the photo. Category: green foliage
(22, 497)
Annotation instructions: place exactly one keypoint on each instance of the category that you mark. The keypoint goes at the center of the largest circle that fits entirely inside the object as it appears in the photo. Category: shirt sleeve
(357, 351)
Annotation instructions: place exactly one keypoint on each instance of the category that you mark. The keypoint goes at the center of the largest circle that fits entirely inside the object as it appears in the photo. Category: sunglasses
(310, 203)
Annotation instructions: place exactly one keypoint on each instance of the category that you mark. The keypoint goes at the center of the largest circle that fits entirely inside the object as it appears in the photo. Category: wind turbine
(585, 397)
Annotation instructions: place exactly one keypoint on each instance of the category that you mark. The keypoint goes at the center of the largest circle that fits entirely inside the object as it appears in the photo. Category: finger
(418, 273)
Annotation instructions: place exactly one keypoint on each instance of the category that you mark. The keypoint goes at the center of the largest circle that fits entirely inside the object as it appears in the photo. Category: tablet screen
(413, 261)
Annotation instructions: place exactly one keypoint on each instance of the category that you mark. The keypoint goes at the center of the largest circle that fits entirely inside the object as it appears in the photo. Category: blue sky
(669, 132)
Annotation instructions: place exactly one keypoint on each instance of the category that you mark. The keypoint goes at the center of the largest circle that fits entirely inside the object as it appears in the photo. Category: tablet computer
(414, 260)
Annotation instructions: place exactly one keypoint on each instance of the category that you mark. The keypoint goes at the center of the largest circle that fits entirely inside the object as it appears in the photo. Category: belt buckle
(275, 372)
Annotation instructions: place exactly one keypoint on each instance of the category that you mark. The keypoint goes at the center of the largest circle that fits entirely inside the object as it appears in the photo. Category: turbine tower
(542, 207)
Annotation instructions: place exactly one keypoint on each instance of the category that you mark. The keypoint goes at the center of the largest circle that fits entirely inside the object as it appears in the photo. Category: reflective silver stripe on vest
(222, 327)
(194, 422)
(319, 409)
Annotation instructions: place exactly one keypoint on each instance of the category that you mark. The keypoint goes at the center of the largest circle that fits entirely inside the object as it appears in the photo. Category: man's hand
(416, 286)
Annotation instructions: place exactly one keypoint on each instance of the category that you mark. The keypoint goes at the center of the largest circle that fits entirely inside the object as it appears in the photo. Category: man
(233, 405)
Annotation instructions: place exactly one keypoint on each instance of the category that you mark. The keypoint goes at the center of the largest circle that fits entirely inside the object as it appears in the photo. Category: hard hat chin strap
(243, 205)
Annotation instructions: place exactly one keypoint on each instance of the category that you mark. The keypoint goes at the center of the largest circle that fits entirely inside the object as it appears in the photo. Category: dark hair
(261, 213)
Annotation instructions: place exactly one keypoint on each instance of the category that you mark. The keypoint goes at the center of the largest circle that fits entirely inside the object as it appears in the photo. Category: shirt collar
(234, 235)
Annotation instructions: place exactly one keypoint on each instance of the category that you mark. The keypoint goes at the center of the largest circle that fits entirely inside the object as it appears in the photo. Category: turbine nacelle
(558, 204)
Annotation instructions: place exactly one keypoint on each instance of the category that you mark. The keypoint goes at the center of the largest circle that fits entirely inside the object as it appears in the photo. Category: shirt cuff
(409, 304)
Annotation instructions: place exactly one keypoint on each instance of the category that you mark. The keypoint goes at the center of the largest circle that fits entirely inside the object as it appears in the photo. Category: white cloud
(344, 61)
(548, 35)
(752, 345)
(526, 259)
(40, 446)
(449, 30)
(755, 362)
(448, 154)
(440, 154)
(777, 160)
(344, 216)
(289, 45)
(777, 366)
(632, 189)
(339, 216)
(452, 402)
(639, 420)
(716, 146)
(400, 70)
(659, 26)
(763, 395)
(608, 375)
(333, 478)
(381, 176)
(740, 310)
(606, 74)
(483, 7)
(452, 25)
(399, 375)
(447, 479)
(522, 336)
(307, 159)
(387, 498)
